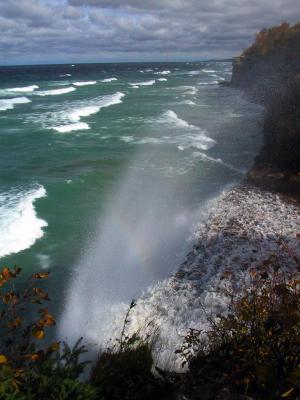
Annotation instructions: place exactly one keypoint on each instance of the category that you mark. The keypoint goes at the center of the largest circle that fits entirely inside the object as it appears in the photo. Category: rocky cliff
(269, 72)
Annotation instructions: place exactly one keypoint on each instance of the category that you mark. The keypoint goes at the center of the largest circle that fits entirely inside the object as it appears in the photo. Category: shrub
(255, 349)
(28, 370)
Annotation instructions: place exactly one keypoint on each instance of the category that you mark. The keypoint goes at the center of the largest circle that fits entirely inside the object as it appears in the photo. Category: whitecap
(162, 79)
(19, 223)
(77, 126)
(208, 83)
(86, 83)
(74, 114)
(189, 136)
(138, 84)
(192, 73)
(205, 157)
(64, 75)
(109, 80)
(167, 72)
(55, 92)
(23, 89)
(8, 104)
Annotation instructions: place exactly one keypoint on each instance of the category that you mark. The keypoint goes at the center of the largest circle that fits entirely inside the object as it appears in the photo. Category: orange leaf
(39, 334)
(3, 359)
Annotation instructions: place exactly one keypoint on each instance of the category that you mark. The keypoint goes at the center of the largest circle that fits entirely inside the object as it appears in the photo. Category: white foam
(74, 114)
(167, 72)
(19, 224)
(138, 84)
(209, 71)
(64, 75)
(244, 227)
(189, 103)
(192, 73)
(184, 135)
(77, 126)
(205, 157)
(8, 104)
(208, 83)
(109, 80)
(23, 89)
(55, 92)
(162, 79)
(86, 83)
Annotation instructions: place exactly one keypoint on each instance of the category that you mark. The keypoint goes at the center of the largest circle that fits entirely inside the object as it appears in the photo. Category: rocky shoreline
(255, 223)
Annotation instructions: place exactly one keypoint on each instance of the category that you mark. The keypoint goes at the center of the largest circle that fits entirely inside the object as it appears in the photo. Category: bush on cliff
(274, 38)
(253, 351)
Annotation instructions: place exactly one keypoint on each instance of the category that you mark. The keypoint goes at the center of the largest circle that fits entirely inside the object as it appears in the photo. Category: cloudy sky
(49, 31)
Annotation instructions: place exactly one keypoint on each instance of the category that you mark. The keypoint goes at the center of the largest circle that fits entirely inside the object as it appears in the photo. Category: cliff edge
(269, 72)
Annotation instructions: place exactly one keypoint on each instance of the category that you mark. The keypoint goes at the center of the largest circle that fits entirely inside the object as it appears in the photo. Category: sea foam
(19, 223)
(74, 114)
(86, 83)
(55, 92)
(23, 89)
(162, 72)
(8, 104)
(107, 80)
(138, 84)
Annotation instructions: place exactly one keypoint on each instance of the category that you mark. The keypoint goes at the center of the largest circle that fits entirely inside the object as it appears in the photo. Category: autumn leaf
(3, 359)
(38, 334)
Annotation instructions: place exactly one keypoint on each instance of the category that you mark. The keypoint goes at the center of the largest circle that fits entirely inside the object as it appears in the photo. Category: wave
(138, 84)
(8, 104)
(197, 137)
(192, 73)
(64, 75)
(189, 103)
(91, 107)
(204, 157)
(55, 92)
(84, 83)
(77, 126)
(209, 71)
(162, 79)
(208, 83)
(109, 80)
(19, 223)
(189, 136)
(167, 72)
(23, 89)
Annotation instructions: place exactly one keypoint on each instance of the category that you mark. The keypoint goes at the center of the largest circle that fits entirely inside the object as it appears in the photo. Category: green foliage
(255, 349)
(124, 372)
(28, 370)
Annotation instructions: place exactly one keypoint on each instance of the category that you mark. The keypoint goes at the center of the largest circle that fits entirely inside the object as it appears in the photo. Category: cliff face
(269, 72)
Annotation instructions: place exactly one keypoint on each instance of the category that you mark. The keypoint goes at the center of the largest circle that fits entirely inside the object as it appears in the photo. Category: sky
(66, 31)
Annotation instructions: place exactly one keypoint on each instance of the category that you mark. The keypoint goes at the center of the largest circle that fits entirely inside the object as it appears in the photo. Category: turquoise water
(107, 177)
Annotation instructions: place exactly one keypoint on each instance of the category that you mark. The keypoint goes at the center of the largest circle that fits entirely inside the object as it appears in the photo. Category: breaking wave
(23, 89)
(19, 222)
(74, 115)
(86, 83)
(8, 104)
(138, 84)
(109, 80)
(55, 92)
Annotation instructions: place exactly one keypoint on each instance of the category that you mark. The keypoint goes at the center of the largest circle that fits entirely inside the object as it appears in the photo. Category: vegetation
(253, 351)
(274, 38)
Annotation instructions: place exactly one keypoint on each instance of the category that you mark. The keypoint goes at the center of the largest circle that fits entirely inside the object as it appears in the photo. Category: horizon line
(115, 62)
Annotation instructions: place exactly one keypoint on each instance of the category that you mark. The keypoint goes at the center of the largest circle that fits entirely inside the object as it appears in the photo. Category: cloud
(101, 30)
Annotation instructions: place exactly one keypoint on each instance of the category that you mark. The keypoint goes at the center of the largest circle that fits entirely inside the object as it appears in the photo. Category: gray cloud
(101, 30)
